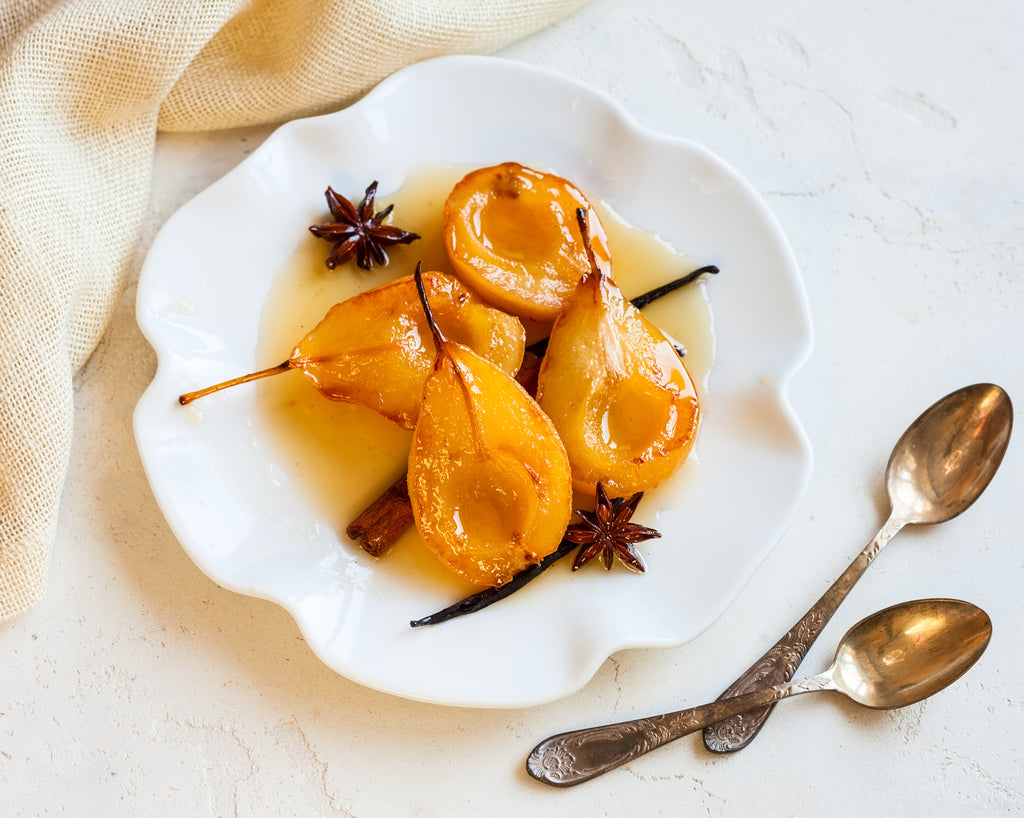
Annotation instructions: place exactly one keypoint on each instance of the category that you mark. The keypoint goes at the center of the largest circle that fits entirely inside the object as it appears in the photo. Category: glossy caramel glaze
(510, 233)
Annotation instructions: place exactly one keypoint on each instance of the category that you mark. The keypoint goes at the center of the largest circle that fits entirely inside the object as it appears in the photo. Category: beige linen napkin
(84, 86)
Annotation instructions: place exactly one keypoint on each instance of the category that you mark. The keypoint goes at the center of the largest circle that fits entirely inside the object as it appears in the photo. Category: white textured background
(888, 140)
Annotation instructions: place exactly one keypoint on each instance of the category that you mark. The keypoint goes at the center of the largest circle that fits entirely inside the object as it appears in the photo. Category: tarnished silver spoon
(938, 468)
(893, 658)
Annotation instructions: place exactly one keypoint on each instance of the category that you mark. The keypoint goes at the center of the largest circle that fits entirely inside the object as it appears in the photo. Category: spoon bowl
(909, 652)
(893, 658)
(947, 457)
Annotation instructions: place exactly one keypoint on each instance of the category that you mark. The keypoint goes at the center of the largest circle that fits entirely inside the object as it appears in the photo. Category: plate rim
(454, 65)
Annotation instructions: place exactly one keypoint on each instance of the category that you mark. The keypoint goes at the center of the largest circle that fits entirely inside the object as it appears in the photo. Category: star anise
(358, 232)
(607, 531)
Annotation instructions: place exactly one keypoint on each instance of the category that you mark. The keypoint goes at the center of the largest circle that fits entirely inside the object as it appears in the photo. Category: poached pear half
(616, 389)
(375, 348)
(509, 233)
(489, 479)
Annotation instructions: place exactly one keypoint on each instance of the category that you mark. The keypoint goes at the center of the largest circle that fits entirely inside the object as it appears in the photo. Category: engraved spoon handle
(781, 661)
(579, 755)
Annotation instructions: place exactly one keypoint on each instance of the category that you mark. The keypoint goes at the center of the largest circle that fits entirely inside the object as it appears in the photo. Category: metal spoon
(938, 468)
(893, 658)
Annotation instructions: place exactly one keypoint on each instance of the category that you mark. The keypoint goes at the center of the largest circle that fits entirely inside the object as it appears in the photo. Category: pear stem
(441, 344)
(583, 220)
(435, 330)
(188, 397)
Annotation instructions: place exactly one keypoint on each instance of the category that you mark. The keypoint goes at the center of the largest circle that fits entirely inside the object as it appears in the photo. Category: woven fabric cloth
(84, 87)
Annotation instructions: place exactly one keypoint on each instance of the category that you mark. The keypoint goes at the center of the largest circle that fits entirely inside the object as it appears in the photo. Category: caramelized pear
(375, 349)
(615, 388)
(489, 479)
(509, 234)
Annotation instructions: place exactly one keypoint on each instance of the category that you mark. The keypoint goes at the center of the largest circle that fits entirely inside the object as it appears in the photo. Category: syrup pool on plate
(343, 455)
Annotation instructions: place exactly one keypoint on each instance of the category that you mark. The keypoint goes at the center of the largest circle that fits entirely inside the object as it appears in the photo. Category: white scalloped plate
(227, 494)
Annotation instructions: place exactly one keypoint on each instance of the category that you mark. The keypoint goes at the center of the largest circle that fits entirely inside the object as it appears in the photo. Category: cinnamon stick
(384, 520)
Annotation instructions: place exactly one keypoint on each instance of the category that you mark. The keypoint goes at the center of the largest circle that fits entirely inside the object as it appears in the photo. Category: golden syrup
(343, 456)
